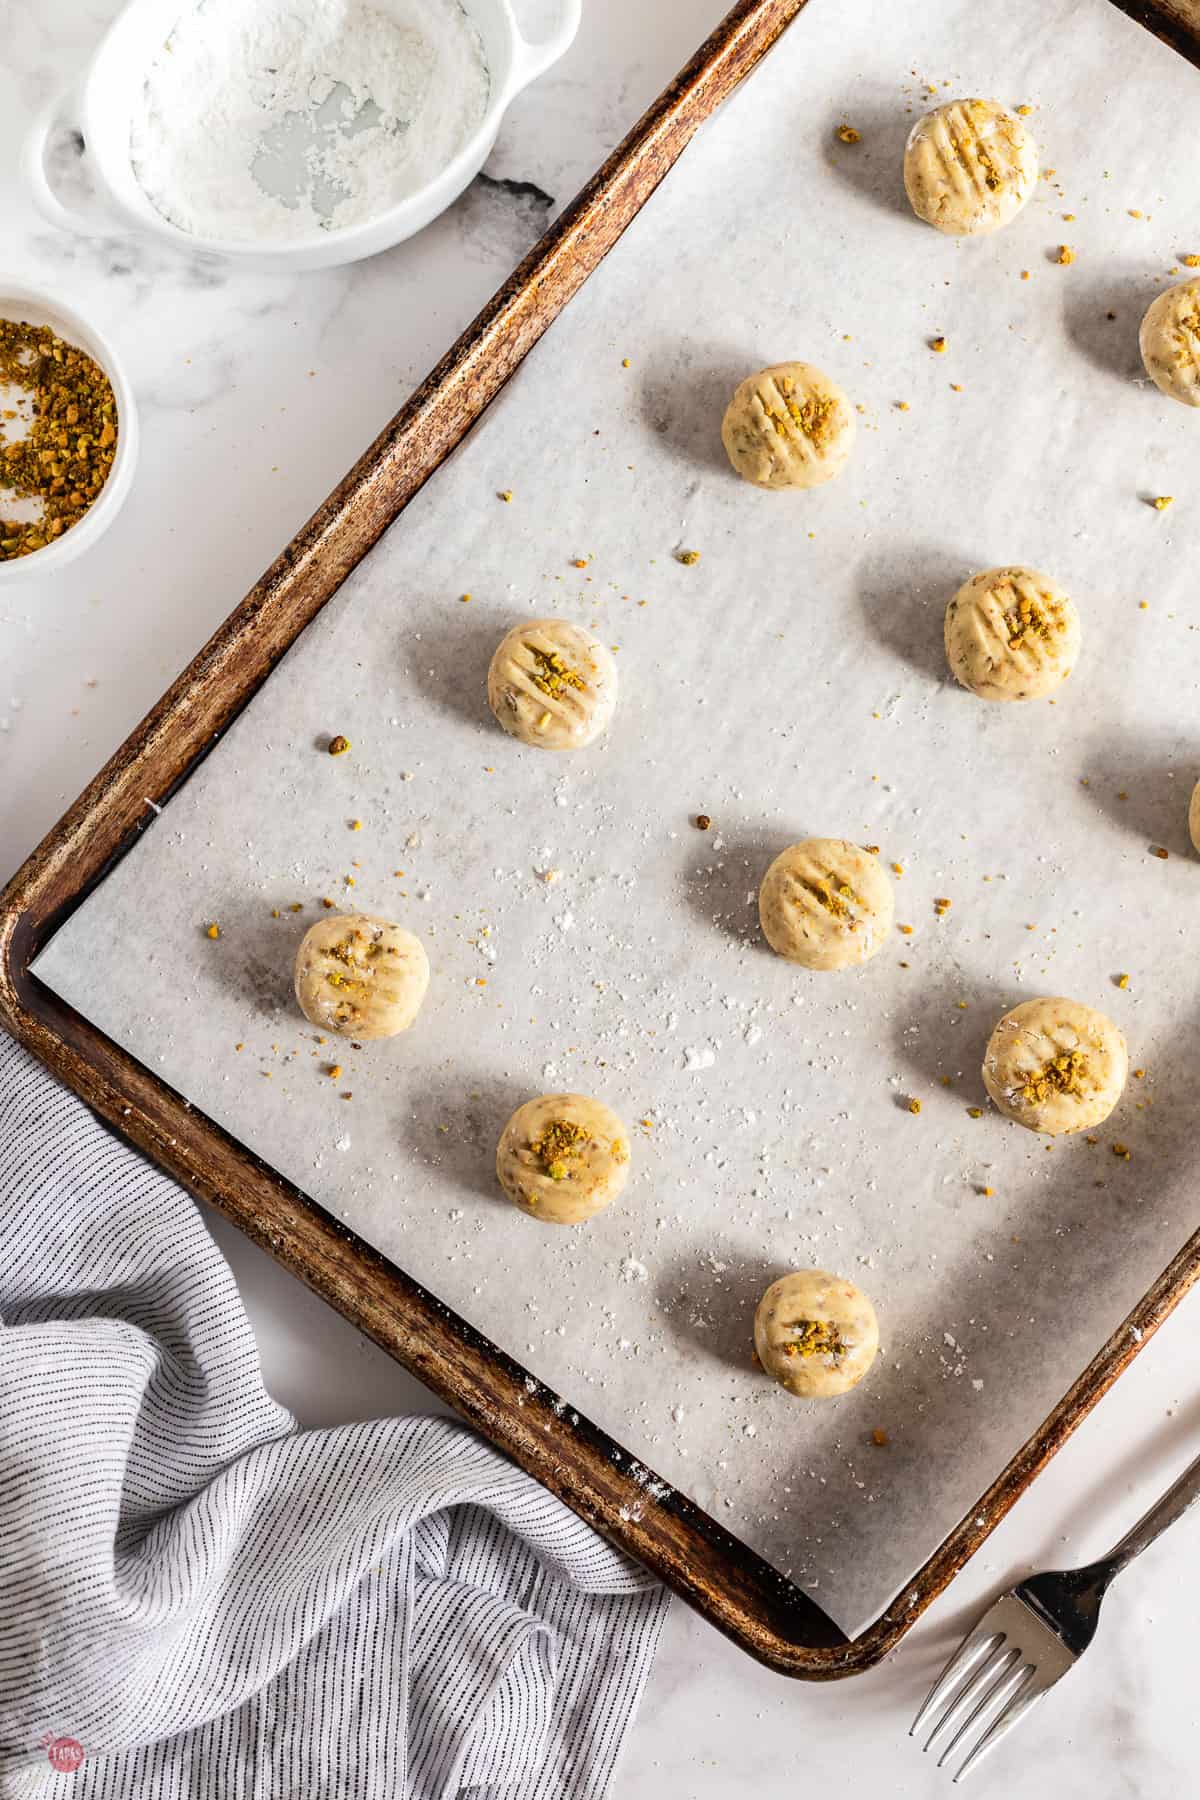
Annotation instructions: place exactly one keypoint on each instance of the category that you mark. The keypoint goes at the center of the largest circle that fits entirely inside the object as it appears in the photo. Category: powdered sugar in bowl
(287, 137)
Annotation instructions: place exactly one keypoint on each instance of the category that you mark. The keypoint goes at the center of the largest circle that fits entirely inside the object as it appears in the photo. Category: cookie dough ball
(552, 684)
(1055, 1066)
(1170, 342)
(1011, 634)
(563, 1158)
(825, 904)
(816, 1334)
(1194, 817)
(788, 427)
(969, 167)
(361, 977)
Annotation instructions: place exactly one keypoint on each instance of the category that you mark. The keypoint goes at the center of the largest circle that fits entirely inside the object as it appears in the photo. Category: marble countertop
(256, 393)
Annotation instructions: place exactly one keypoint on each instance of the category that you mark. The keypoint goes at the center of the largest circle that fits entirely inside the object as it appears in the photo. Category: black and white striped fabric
(196, 1599)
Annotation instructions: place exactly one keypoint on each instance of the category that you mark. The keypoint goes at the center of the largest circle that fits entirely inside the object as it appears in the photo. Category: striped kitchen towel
(196, 1599)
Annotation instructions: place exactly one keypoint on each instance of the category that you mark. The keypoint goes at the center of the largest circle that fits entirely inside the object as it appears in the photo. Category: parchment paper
(791, 682)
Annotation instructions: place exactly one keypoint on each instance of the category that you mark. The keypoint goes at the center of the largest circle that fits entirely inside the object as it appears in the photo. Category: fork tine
(974, 1646)
(1009, 1673)
(1019, 1704)
(998, 1654)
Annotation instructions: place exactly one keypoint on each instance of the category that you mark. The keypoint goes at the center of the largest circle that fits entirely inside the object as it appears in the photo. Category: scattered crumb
(1121, 1150)
(938, 344)
(1122, 981)
(505, 494)
(687, 556)
(880, 1437)
(848, 135)
(1065, 254)
(213, 931)
(1160, 502)
(914, 1105)
(974, 1112)
(356, 824)
(702, 821)
(338, 745)
(334, 1071)
(1157, 850)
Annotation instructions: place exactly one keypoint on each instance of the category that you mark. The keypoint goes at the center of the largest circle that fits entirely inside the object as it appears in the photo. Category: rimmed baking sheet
(790, 682)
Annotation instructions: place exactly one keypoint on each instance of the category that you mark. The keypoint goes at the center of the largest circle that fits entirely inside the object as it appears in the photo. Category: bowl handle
(64, 109)
(532, 59)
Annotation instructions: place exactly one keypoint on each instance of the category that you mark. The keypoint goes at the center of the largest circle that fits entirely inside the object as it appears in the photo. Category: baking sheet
(790, 683)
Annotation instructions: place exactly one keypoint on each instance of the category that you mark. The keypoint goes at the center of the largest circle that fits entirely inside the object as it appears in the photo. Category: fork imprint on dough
(552, 684)
(1011, 634)
(825, 904)
(969, 167)
(788, 426)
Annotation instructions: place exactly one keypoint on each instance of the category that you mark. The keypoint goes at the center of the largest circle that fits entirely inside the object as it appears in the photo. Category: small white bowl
(41, 309)
(103, 105)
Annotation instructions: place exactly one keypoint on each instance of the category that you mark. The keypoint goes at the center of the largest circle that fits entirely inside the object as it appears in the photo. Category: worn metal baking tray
(770, 1616)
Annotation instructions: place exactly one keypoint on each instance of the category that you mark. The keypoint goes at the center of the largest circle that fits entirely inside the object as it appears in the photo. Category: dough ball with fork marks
(1169, 340)
(360, 976)
(1055, 1066)
(825, 904)
(969, 167)
(1011, 634)
(552, 684)
(789, 426)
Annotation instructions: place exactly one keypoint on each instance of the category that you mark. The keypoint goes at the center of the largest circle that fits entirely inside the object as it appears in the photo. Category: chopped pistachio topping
(553, 674)
(1025, 619)
(1063, 1074)
(561, 1140)
(815, 1337)
(837, 897)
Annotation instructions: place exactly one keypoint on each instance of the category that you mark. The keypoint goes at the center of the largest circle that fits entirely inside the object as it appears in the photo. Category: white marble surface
(226, 475)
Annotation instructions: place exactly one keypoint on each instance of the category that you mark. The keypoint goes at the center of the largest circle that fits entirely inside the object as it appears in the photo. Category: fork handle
(1174, 1503)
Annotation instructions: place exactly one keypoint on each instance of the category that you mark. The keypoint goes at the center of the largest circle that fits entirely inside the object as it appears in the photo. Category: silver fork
(1030, 1637)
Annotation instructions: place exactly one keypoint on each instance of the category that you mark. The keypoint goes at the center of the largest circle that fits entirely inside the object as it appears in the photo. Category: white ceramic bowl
(44, 309)
(103, 104)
